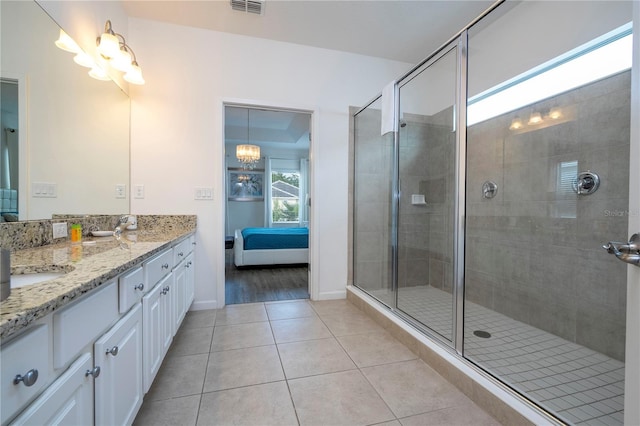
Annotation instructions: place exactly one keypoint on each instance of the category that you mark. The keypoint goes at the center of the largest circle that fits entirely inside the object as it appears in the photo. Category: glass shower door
(373, 248)
(427, 199)
(548, 143)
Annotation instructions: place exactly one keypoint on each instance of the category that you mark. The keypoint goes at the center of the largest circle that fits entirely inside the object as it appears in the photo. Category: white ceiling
(401, 30)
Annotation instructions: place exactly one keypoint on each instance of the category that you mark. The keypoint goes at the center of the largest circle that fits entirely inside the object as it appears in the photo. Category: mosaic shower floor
(579, 385)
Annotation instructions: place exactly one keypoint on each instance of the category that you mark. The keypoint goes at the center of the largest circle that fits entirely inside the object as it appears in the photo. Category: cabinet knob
(113, 351)
(139, 287)
(94, 372)
(181, 254)
(187, 264)
(28, 379)
(165, 266)
(165, 290)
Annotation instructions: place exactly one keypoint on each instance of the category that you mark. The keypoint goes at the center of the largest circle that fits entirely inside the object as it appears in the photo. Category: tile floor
(581, 386)
(298, 363)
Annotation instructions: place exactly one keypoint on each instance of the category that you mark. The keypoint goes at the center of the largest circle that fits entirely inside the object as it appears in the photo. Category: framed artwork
(245, 185)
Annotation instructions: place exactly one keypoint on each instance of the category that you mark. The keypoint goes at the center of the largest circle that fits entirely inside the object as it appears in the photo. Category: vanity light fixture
(114, 48)
(248, 154)
(535, 118)
(555, 113)
(516, 124)
(99, 74)
(66, 43)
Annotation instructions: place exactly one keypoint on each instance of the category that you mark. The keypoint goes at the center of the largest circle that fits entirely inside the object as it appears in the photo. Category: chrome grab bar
(627, 252)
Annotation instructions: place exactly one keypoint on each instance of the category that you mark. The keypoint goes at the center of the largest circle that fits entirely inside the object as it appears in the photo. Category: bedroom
(266, 231)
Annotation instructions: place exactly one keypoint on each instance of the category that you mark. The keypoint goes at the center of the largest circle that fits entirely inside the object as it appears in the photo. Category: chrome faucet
(123, 222)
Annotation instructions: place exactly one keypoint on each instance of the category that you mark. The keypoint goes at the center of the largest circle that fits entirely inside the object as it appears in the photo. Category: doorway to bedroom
(267, 185)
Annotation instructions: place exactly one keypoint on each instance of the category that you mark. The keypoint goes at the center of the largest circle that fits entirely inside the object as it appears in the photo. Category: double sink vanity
(83, 346)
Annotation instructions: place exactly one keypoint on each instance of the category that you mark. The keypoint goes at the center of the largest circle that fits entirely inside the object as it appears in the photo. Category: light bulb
(555, 113)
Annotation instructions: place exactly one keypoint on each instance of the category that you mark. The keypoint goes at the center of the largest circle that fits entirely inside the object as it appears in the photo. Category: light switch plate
(203, 193)
(121, 190)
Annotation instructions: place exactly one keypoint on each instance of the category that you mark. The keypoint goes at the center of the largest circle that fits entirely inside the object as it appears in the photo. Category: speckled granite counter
(89, 267)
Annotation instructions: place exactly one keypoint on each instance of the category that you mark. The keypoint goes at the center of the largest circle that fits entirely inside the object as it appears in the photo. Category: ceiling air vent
(249, 6)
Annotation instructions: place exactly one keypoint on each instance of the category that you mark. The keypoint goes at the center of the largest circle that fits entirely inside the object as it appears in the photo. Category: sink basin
(21, 280)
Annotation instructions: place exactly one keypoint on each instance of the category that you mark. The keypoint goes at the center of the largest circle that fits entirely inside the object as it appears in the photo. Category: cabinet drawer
(68, 401)
(181, 251)
(78, 325)
(131, 288)
(22, 355)
(157, 267)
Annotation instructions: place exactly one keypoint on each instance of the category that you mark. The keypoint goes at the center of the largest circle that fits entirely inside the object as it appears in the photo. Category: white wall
(177, 131)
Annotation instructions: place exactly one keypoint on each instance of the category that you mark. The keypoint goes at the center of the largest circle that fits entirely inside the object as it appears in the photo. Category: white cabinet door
(156, 329)
(68, 401)
(168, 307)
(152, 331)
(179, 289)
(191, 281)
(118, 353)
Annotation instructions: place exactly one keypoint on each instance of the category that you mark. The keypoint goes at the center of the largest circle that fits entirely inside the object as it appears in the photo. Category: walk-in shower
(480, 221)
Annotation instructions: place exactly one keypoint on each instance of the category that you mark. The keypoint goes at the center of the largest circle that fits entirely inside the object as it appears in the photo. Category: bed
(271, 246)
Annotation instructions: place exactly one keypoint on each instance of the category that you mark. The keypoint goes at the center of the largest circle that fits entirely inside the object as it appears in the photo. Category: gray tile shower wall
(534, 251)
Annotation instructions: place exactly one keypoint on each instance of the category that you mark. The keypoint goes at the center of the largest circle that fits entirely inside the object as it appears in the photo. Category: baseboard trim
(333, 295)
(204, 305)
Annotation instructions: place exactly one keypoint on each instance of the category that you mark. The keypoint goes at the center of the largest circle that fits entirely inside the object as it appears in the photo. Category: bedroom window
(285, 197)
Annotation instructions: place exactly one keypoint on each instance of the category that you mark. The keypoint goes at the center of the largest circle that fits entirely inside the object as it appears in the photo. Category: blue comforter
(275, 238)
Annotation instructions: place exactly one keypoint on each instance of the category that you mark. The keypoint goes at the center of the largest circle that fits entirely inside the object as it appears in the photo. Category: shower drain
(482, 333)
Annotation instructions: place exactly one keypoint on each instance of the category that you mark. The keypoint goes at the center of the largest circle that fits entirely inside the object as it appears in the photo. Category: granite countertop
(89, 264)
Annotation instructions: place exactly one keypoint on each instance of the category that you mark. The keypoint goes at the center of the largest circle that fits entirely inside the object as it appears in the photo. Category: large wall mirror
(65, 135)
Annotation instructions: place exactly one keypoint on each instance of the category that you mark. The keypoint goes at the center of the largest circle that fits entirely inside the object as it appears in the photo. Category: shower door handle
(627, 252)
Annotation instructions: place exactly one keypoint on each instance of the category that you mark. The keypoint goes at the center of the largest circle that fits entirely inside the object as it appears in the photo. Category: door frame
(221, 179)
(632, 350)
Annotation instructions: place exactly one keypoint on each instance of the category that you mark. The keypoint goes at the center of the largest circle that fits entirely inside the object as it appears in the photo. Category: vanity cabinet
(118, 389)
(68, 401)
(157, 330)
(24, 370)
(98, 356)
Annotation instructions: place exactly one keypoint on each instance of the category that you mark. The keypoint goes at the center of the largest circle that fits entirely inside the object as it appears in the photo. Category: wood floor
(265, 283)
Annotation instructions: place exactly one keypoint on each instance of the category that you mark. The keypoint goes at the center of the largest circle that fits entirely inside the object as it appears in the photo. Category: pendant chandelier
(248, 154)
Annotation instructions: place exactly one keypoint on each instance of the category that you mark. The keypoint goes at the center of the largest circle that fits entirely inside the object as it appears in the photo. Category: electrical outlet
(59, 230)
(138, 191)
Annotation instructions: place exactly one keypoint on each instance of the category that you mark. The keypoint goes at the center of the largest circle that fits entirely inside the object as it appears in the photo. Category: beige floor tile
(238, 336)
(197, 319)
(191, 341)
(371, 349)
(328, 308)
(351, 323)
(287, 310)
(412, 387)
(179, 376)
(344, 398)
(313, 357)
(391, 423)
(241, 314)
(298, 329)
(171, 412)
(243, 367)
(463, 415)
(260, 405)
